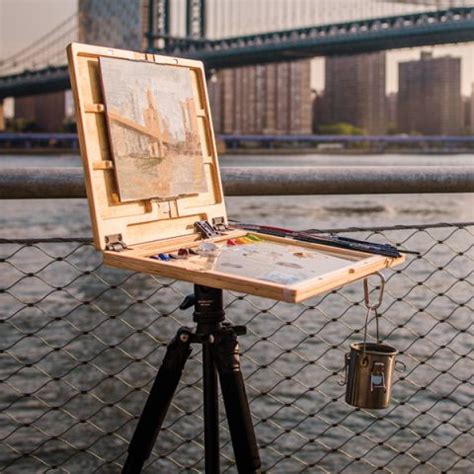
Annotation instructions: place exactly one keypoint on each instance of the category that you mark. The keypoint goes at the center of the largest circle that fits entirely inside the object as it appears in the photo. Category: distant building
(391, 111)
(264, 99)
(214, 89)
(46, 111)
(316, 100)
(429, 96)
(355, 92)
(472, 109)
(466, 114)
(2, 116)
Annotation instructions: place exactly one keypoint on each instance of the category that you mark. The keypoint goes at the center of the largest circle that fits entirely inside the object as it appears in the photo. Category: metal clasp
(372, 307)
(367, 293)
(377, 377)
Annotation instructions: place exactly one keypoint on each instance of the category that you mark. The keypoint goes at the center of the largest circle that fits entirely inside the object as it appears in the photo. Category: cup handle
(347, 358)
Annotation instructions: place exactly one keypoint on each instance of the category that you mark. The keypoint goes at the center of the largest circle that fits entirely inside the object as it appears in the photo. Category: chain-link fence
(80, 344)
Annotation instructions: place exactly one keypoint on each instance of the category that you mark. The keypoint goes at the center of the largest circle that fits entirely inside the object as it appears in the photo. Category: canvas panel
(163, 199)
(153, 129)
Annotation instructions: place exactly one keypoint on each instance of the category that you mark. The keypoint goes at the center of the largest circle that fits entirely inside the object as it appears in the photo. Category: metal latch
(377, 377)
(115, 243)
(205, 229)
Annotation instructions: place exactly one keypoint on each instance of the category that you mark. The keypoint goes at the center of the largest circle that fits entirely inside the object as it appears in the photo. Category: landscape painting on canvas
(153, 129)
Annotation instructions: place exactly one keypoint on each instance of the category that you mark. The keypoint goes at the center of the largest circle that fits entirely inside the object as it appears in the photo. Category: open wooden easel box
(152, 173)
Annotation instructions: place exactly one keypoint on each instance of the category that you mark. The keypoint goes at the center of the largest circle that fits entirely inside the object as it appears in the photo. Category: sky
(24, 21)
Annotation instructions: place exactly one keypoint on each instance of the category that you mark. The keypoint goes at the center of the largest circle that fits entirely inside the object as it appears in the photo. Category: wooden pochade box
(152, 172)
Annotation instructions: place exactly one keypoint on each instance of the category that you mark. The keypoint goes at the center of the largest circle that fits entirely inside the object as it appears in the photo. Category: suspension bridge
(228, 34)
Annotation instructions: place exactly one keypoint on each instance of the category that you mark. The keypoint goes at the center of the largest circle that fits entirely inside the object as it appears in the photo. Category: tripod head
(208, 307)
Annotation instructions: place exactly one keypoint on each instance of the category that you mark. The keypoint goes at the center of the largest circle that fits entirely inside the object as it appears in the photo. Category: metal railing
(80, 344)
(53, 183)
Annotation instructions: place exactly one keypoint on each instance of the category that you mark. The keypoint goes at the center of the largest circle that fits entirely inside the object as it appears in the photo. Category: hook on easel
(367, 292)
(373, 306)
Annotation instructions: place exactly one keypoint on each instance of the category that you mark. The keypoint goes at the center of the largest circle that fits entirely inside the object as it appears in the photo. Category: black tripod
(221, 352)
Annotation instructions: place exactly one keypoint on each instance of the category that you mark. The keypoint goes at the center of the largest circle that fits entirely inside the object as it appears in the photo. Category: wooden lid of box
(127, 121)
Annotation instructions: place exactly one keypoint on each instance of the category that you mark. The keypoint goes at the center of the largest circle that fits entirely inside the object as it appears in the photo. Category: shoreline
(312, 151)
(39, 151)
(261, 151)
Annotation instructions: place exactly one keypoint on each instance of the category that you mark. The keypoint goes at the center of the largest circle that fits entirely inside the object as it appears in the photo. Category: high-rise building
(466, 114)
(355, 92)
(429, 96)
(472, 109)
(315, 106)
(2, 116)
(391, 111)
(214, 89)
(263, 99)
(47, 111)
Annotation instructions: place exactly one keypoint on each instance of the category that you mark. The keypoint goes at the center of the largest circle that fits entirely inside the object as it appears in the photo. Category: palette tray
(268, 266)
(151, 172)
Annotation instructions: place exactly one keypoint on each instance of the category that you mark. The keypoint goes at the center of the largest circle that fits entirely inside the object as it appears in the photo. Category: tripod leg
(227, 359)
(211, 411)
(158, 402)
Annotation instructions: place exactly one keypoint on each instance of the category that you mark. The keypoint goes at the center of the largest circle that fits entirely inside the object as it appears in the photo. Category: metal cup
(369, 374)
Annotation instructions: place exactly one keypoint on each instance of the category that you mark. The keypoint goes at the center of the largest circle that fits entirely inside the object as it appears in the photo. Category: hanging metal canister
(369, 375)
(369, 366)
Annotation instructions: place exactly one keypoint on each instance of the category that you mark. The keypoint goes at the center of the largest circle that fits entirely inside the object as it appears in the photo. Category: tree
(340, 129)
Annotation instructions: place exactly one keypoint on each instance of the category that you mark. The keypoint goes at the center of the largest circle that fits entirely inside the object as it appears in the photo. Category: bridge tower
(196, 18)
(159, 30)
(158, 24)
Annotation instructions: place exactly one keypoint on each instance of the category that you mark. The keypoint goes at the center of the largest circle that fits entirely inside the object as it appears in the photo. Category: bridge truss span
(441, 26)
(374, 34)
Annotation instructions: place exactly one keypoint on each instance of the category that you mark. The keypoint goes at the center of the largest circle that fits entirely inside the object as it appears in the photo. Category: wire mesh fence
(80, 345)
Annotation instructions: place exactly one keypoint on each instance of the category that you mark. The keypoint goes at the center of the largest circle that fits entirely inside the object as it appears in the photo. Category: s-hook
(372, 306)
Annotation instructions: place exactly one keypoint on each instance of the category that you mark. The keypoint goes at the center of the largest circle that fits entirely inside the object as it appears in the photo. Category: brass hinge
(219, 223)
(115, 243)
(207, 230)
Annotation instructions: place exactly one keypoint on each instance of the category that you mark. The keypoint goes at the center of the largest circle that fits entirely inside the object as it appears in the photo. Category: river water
(65, 218)
(80, 341)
